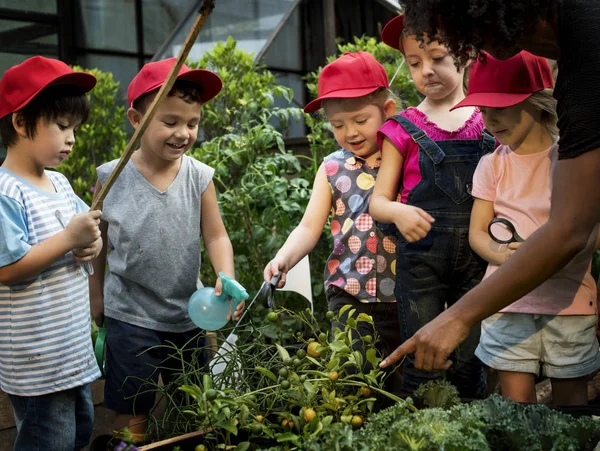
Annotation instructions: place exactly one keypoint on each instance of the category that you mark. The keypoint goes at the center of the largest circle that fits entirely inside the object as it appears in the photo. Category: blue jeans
(60, 421)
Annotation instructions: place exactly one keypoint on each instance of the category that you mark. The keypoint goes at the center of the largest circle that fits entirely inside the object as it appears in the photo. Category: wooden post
(329, 27)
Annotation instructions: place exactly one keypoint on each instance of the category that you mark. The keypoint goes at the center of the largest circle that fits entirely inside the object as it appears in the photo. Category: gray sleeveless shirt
(154, 246)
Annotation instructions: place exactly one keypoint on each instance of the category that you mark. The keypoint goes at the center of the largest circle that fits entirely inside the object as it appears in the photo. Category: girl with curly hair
(563, 30)
(429, 155)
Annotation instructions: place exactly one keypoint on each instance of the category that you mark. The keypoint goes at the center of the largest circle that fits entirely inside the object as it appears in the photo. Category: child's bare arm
(414, 223)
(479, 238)
(96, 281)
(215, 237)
(81, 231)
(304, 237)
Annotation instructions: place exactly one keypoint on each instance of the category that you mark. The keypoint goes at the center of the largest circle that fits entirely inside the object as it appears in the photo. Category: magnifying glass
(502, 231)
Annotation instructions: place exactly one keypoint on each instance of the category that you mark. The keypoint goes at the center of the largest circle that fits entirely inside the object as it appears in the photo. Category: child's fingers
(514, 246)
(426, 216)
(281, 283)
(219, 289)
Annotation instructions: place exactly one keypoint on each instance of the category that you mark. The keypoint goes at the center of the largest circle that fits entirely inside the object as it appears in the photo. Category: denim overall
(438, 270)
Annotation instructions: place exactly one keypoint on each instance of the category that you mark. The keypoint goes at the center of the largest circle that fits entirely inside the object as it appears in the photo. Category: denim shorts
(136, 356)
(59, 421)
(563, 347)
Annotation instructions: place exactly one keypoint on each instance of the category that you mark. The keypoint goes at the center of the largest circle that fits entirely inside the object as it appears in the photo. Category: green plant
(277, 394)
(101, 139)
(261, 193)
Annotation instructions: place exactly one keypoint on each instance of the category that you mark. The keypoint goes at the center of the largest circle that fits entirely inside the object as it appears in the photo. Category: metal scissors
(86, 268)
(502, 231)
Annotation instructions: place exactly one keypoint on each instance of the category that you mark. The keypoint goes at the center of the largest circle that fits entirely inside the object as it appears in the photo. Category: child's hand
(414, 224)
(238, 311)
(273, 268)
(82, 230)
(511, 249)
(86, 254)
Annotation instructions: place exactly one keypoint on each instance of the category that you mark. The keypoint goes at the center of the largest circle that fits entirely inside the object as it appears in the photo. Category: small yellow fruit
(356, 421)
(312, 349)
(309, 414)
(333, 376)
(365, 391)
(259, 418)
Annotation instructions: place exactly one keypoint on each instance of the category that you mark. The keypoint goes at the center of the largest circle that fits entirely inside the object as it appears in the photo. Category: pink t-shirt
(520, 187)
(411, 173)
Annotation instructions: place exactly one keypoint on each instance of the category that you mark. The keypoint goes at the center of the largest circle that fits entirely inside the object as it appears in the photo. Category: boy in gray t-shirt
(159, 208)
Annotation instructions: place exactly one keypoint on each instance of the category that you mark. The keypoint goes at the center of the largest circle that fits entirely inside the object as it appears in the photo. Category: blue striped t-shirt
(45, 343)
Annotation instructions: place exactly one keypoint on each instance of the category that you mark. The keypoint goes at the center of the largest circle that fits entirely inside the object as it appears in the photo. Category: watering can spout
(208, 311)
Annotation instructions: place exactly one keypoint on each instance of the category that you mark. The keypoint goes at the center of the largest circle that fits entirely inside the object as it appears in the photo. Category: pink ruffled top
(411, 173)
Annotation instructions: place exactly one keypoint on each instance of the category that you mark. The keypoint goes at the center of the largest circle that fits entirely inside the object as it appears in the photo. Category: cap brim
(392, 31)
(83, 80)
(211, 83)
(313, 106)
(492, 100)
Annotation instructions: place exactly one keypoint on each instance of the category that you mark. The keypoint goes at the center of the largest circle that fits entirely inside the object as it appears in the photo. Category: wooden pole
(204, 12)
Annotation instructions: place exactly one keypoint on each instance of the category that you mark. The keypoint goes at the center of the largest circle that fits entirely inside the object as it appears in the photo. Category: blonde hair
(378, 97)
(545, 102)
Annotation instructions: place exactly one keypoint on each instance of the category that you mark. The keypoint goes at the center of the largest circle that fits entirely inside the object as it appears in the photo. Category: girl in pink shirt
(429, 155)
(553, 327)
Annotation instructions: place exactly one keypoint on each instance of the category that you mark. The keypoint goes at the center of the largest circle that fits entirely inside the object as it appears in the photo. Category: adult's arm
(574, 213)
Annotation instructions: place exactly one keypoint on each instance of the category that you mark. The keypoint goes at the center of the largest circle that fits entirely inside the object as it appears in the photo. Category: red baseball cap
(497, 83)
(21, 83)
(392, 32)
(351, 75)
(153, 75)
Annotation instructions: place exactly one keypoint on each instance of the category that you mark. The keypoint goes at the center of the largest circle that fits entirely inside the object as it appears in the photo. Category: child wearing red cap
(159, 211)
(553, 327)
(354, 93)
(46, 356)
(429, 156)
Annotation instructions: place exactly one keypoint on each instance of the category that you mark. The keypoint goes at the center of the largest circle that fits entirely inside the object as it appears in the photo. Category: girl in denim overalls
(429, 155)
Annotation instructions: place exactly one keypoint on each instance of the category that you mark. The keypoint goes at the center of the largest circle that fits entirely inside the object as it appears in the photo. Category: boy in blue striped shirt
(46, 357)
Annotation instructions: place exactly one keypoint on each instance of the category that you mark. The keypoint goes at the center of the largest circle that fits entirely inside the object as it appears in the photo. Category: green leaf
(228, 426)
(283, 354)
(287, 437)
(243, 446)
(192, 390)
(267, 373)
(207, 382)
(372, 357)
(344, 309)
(337, 345)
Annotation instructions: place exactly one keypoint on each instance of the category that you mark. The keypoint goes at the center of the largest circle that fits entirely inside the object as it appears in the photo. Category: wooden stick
(204, 12)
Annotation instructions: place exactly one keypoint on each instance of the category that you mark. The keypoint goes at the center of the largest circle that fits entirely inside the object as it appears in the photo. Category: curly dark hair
(465, 25)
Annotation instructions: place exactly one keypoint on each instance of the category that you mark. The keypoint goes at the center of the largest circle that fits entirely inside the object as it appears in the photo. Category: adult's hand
(432, 344)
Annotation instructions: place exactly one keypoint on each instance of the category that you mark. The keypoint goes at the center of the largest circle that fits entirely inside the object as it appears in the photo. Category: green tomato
(329, 315)
(272, 317)
(283, 372)
(301, 354)
(285, 385)
(201, 414)
(211, 394)
(256, 428)
(297, 363)
(303, 378)
(322, 337)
